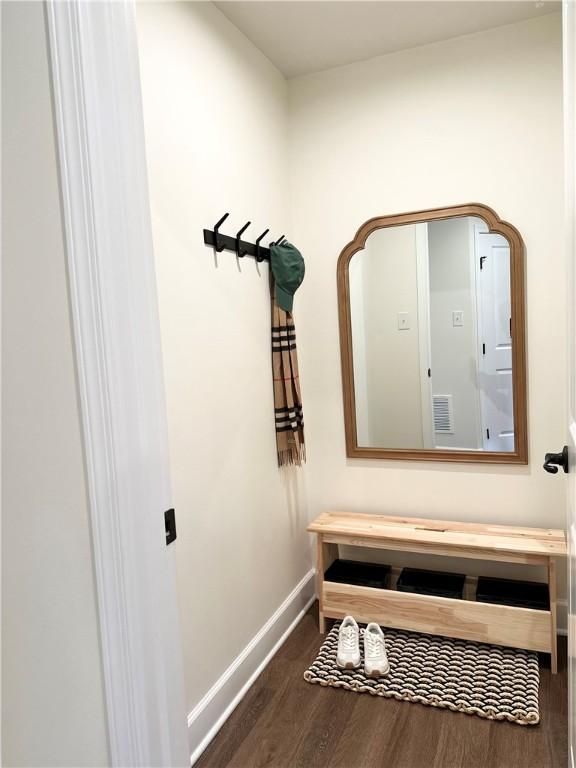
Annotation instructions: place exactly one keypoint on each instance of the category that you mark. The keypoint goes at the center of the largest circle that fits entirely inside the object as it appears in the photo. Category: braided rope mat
(485, 680)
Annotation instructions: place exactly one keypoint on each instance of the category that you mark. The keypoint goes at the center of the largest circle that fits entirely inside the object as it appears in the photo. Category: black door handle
(554, 460)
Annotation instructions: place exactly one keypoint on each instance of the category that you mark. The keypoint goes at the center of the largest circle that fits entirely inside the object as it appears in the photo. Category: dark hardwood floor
(284, 722)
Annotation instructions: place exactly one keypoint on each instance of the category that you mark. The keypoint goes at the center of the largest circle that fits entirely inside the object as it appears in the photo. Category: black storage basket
(521, 594)
(435, 583)
(358, 573)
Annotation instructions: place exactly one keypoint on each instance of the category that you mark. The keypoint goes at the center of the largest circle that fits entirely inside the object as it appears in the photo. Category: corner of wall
(211, 712)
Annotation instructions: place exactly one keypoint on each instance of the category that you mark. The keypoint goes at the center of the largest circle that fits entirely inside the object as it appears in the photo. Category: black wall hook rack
(240, 247)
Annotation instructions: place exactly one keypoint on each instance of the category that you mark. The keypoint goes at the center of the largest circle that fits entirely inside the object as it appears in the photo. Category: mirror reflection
(430, 312)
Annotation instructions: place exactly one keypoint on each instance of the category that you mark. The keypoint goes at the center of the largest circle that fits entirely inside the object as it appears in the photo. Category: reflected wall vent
(443, 414)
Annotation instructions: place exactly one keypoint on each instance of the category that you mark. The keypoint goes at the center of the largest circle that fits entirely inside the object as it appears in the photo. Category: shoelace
(374, 645)
(349, 638)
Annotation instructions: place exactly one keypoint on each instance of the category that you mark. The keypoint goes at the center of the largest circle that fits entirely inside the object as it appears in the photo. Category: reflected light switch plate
(457, 318)
(403, 321)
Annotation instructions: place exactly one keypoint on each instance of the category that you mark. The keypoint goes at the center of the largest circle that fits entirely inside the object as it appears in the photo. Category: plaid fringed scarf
(287, 401)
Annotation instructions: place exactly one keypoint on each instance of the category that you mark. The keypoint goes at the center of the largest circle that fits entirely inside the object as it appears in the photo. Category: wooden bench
(482, 622)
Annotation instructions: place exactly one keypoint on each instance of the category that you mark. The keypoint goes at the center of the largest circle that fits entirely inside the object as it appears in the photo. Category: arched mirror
(431, 309)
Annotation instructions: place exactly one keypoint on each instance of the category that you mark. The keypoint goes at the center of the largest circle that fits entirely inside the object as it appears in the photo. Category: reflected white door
(494, 340)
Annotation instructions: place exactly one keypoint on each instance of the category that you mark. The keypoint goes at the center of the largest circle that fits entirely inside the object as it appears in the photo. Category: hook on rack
(234, 243)
(218, 247)
(257, 245)
(239, 252)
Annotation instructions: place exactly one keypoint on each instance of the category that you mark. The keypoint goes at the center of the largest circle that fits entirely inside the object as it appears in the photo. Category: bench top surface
(451, 534)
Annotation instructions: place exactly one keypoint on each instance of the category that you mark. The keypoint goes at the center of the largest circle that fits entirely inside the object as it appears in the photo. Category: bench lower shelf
(480, 622)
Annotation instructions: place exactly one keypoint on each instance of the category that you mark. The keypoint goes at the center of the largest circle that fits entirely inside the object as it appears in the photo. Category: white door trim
(569, 82)
(113, 298)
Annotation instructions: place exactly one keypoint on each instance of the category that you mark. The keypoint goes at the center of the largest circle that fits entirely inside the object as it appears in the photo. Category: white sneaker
(375, 658)
(348, 656)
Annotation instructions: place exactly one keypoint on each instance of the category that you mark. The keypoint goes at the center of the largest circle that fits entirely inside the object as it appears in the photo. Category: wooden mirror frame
(495, 224)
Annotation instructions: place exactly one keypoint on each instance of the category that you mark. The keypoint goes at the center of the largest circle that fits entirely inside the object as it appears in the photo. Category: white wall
(216, 130)
(392, 354)
(357, 273)
(477, 118)
(52, 698)
(454, 349)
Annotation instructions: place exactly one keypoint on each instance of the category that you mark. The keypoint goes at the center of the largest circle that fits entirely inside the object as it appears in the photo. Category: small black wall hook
(257, 245)
(218, 247)
(277, 242)
(239, 252)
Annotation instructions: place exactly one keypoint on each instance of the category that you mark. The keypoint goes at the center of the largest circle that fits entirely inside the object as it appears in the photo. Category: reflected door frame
(424, 342)
(476, 322)
(424, 333)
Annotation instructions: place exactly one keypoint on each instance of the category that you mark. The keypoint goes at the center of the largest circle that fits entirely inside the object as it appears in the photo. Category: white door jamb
(99, 124)
(569, 82)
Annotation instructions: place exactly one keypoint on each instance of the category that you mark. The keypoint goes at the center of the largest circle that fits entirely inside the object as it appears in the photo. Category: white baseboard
(212, 711)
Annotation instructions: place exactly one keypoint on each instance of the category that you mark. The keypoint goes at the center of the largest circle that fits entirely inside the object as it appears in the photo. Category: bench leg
(325, 556)
(553, 597)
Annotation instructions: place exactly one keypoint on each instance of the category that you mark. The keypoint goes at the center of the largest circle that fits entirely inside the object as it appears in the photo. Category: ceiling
(302, 36)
